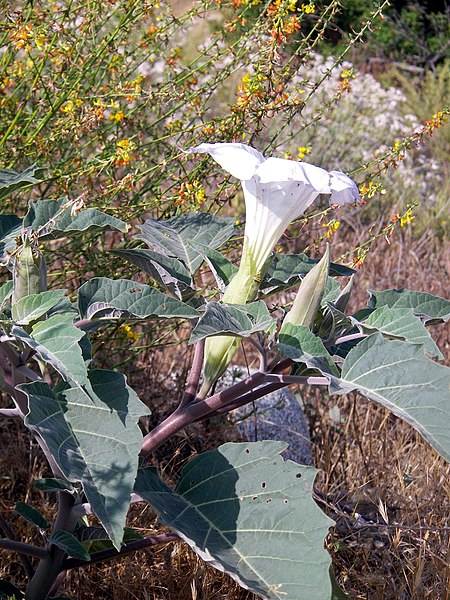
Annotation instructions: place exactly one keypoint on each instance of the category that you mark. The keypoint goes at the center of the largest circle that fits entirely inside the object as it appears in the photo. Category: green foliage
(228, 503)
(108, 96)
(223, 505)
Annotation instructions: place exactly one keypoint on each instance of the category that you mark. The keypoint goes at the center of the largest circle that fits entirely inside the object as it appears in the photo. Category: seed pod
(30, 272)
(307, 302)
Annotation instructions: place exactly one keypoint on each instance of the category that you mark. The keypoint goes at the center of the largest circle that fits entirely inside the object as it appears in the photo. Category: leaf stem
(194, 375)
(23, 549)
(28, 567)
(112, 553)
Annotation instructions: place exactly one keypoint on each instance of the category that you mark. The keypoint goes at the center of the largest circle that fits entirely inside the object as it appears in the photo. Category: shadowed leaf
(94, 439)
(249, 513)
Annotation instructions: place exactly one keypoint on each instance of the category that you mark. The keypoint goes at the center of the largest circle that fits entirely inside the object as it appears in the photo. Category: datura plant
(241, 507)
(276, 192)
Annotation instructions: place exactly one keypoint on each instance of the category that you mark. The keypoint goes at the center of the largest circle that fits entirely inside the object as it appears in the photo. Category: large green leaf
(32, 307)
(94, 439)
(223, 269)
(249, 513)
(399, 376)
(10, 181)
(400, 323)
(428, 307)
(173, 237)
(104, 298)
(240, 320)
(55, 218)
(56, 341)
(8, 224)
(299, 343)
(167, 271)
(286, 270)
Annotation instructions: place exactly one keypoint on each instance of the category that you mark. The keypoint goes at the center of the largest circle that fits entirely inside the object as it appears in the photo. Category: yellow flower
(129, 333)
(308, 8)
(117, 117)
(68, 107)
(303, 151)
(407, 218)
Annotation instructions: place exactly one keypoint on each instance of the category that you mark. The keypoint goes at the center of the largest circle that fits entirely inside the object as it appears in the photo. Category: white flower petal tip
(239, 160)
(343, 189)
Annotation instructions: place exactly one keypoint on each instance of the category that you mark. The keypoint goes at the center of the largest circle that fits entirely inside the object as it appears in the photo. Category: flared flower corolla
(276, 192)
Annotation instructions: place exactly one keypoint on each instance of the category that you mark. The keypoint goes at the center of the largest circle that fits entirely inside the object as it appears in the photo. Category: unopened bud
(30, 272)
(307, 302)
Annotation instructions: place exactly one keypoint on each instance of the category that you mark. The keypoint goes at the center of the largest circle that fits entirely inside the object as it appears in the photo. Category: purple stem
(194, 376)
(111, 554)
(28, 567)
(22, 548)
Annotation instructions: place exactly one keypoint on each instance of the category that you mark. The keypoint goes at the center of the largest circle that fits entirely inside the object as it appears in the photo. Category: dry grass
(387, 490)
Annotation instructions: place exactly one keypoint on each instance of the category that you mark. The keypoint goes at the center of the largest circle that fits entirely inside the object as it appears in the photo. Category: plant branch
(22, 548)
(194, 376)
(349, 338)
(28, 567)
(111, 554)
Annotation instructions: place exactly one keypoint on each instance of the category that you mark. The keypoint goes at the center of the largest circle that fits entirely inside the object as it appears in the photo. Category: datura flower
(276, 192)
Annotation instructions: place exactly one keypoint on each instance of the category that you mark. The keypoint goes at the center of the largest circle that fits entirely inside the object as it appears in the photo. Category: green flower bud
(29, 272)
(307, 302)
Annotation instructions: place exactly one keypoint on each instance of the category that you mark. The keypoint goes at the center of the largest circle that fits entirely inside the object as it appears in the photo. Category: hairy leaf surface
(399, 376)
(240, 320)
(32, 307)
(173, 237)
(400, 323)
(104, 298)
(430, 308)
(94, 439)
(249, 513)
(56, 340)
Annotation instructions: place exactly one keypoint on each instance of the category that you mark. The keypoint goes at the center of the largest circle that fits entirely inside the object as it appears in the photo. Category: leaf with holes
(251, 514)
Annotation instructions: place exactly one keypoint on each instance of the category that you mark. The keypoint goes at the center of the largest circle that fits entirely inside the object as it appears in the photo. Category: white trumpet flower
(276, 192)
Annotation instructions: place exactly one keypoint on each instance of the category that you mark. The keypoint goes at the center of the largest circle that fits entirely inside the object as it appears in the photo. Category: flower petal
(238, 159)
(343, 189)
(281, 170)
